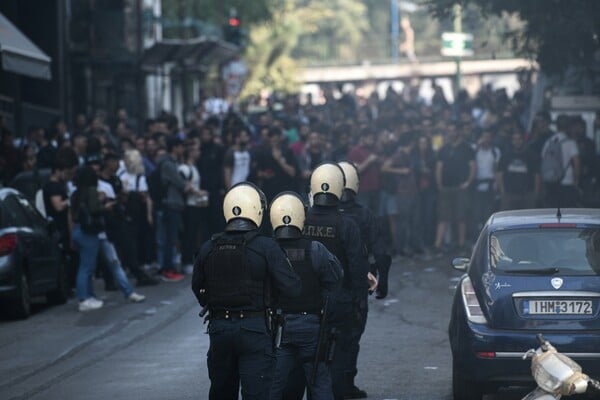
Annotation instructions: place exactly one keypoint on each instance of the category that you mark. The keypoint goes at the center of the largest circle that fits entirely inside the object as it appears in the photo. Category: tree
(557, 33)
(300, 30)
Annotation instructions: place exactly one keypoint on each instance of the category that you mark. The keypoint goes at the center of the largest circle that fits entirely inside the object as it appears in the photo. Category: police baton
(320, 340)
(280, 322)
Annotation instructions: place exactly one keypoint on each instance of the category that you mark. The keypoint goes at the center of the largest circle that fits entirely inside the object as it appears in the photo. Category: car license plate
(567, 307)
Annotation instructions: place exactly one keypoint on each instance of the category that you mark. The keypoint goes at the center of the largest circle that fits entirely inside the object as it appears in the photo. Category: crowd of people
(431, 171)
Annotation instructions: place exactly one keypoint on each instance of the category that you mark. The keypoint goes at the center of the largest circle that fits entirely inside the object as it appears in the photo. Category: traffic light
(233, 31)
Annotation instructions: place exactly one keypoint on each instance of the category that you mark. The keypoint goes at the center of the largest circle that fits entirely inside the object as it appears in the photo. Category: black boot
(384, 271)
(355, 393)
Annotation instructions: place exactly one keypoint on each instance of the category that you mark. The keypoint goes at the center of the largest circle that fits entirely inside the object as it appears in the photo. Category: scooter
(557, 375)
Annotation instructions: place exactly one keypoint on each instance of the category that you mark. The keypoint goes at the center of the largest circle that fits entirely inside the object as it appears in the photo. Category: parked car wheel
(21, 307)
(61, 294)
(464, 389)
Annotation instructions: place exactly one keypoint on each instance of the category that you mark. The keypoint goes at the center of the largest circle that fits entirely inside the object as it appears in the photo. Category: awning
(20, 55)
(192, 53)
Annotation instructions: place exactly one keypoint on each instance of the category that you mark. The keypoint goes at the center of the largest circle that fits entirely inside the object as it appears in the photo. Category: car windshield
(572, 251)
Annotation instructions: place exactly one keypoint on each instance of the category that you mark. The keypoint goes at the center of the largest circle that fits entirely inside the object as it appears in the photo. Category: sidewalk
(41, 349)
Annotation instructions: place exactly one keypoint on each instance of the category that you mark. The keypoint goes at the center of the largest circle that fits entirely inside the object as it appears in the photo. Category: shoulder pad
(249, 236)
(217, 236)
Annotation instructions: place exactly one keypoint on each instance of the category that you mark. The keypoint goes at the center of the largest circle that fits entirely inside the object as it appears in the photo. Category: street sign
(457, 44)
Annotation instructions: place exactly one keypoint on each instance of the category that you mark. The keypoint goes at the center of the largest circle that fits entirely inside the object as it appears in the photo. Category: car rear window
(567, 251)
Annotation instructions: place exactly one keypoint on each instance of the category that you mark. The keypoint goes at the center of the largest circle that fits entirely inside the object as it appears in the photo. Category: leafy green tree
(557, 33)
(300, 30)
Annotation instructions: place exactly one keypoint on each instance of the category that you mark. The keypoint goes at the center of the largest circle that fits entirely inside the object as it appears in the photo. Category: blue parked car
(531, 271)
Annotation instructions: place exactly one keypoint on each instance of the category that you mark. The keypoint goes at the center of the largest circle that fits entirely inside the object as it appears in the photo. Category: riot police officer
(231, 277)
(340, 234)
(375, 248)
(367, 223)
(321, 273)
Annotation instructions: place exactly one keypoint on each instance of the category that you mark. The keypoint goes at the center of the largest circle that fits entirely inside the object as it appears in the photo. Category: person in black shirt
(518, 176)
(118, 223)
(455, 171)
(274, 165)
(56, 203)
(210, 167)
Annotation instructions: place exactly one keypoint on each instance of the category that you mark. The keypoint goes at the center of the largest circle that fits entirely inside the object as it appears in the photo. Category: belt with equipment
(317, 312)
(231, 314)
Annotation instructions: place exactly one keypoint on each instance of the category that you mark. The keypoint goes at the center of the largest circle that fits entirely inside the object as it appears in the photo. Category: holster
(332, 339)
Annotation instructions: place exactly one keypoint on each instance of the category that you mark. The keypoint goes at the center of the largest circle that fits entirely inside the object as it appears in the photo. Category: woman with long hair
(87, 212)
(138, 208)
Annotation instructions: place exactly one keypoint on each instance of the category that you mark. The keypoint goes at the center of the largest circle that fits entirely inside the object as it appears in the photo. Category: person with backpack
(89, 207)
(169, 190)
(138, 211)
(238, 275)
(560, 167)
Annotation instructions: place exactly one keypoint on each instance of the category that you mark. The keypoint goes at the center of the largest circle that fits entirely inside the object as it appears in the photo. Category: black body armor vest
(229, 283)
(299, 253)
(326, 228)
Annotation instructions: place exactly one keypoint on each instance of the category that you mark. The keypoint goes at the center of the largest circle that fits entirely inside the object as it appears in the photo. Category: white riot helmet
(327, 184)
(351, 175)
(244, 201)
(287, 215)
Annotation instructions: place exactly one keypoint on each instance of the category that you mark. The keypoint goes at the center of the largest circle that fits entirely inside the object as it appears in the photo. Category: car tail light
(472, 307)
(8, 243)
(486, 354)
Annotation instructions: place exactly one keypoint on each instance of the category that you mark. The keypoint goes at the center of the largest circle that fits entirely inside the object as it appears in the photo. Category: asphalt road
(157, 349)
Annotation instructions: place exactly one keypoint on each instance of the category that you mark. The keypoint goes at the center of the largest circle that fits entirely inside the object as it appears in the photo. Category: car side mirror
(461, 263)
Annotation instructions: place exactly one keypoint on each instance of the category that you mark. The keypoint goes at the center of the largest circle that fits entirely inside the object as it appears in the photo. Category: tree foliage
(297, 31)
(557, 33)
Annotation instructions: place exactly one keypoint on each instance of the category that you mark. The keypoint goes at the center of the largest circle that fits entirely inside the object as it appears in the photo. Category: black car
(532, 271)
(30, 182)
(31, 261)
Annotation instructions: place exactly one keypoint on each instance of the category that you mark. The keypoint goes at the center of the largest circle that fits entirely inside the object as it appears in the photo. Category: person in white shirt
(195, 201)
(139, 217)
(487, 157)
(237, 160)
(562, 191)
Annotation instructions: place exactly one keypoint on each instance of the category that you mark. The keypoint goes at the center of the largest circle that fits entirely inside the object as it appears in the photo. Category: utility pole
(394, 30)
(139, 75)
(457, 29)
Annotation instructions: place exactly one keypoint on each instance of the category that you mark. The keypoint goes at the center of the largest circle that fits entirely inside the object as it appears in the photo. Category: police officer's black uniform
(375, 247)
(234, 275)
(340, 234)
(320, 272)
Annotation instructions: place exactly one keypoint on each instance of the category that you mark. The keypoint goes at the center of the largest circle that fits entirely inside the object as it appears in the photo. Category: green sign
(456, 44)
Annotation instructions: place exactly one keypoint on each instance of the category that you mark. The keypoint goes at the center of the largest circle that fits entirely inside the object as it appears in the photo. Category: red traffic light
(233, 21)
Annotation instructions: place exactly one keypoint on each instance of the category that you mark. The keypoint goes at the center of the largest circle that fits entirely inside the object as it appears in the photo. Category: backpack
(156, 189)
(135, 206)
(91, 224)
(229, 283)
(553, 168)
